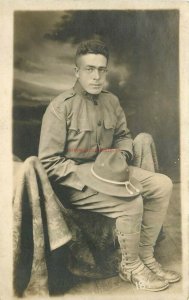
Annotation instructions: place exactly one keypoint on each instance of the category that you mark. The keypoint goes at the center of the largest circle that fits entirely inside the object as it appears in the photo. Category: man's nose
(96, 74)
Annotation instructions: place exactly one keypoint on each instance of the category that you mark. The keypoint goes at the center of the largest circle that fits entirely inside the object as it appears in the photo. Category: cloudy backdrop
(143, 70)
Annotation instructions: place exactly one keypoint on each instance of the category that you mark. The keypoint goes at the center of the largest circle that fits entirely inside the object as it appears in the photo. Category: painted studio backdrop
(143, 71)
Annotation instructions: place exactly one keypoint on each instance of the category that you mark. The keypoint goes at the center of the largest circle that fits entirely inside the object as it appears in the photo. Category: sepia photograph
(98, 205)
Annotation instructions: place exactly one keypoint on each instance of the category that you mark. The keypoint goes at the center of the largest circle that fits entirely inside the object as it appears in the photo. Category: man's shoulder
(58, 103)
(62, 97)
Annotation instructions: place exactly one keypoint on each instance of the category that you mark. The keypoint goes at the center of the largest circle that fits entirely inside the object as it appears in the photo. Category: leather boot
(169, 275)
(146, 252)
(133, 269)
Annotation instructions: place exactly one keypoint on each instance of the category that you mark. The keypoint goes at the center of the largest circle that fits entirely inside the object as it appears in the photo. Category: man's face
(91, 72)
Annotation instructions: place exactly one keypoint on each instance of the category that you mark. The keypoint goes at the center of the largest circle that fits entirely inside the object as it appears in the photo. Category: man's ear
(76, 69)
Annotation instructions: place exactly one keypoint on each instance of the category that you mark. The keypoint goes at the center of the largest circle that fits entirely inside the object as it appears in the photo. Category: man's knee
(143, 138)
(162, 185)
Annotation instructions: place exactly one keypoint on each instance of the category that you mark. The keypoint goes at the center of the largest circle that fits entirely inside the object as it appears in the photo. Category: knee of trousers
(143, 138)
(161, 187)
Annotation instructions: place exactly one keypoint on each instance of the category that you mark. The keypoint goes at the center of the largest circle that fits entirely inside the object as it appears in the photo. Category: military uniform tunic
(75, 127)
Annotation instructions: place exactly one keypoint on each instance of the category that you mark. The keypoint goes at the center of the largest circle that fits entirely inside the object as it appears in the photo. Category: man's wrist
(127, 155)
(84, 188)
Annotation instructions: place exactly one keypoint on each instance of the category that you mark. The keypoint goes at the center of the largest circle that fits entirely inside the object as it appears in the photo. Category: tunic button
(99, 123)
(78, 131)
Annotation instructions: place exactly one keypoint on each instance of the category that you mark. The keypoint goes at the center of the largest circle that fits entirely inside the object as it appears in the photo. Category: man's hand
(127, 155)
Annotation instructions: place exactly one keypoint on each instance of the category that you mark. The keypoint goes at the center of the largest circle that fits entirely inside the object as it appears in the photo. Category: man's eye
(103, 70)
(89, 69)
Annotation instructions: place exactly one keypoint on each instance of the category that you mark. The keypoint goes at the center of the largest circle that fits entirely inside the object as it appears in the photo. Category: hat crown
(111, 165)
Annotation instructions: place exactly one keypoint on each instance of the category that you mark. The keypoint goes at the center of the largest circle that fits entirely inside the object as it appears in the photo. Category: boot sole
(145, 289)
(175, 280)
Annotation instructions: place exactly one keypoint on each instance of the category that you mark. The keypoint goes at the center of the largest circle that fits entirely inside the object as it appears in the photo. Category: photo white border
(7, 9)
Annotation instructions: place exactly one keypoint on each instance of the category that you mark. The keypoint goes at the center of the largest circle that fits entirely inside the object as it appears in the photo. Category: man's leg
(132, 268)
(145, 157)
(156, 193)
(128, 214)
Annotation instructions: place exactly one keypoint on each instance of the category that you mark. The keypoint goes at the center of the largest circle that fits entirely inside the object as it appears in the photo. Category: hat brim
(85, 175)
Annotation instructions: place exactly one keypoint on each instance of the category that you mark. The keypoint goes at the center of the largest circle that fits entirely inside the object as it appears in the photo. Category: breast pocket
(79, 141)
(108, 133)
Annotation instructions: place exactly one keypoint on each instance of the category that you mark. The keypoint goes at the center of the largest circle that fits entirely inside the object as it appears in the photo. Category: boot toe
(170, 276)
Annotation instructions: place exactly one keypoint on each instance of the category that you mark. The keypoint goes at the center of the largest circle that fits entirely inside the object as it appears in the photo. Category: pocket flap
(109, 124)
(80, 125)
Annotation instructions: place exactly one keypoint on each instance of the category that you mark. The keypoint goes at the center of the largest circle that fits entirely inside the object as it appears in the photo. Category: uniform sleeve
(122, 135)
(51, 149)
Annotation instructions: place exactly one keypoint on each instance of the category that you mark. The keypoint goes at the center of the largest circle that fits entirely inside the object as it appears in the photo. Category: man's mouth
(96, 85)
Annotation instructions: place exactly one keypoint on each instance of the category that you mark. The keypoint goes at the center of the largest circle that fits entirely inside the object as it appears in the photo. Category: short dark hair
(92, 46)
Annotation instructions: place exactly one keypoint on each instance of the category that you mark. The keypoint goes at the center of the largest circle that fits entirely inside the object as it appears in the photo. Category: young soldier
(77, 127)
